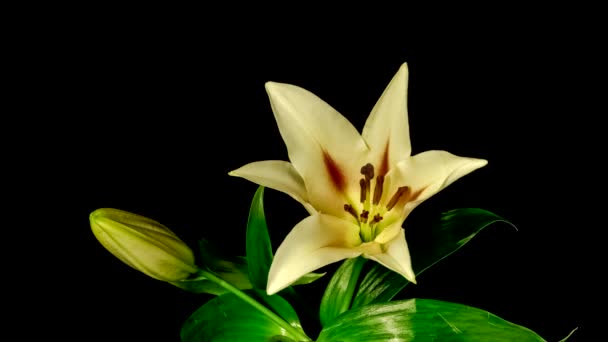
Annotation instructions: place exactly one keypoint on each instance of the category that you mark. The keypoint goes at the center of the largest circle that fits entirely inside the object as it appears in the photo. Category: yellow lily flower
(358, 188)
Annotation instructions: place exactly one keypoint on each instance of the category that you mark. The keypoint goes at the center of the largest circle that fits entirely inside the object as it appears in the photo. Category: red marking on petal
(414, 195)
(411, 196)
(383, 167)
(335, 174)
(401, 194)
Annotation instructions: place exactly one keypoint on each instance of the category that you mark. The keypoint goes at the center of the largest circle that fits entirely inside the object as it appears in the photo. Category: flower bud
(143, 244)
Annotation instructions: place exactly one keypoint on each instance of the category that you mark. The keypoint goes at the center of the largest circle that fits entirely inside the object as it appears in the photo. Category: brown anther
(364, 216)
(363, 183)
(368, 171)
(377, 218)
(378, 190)
(349, 209)
(400, 192)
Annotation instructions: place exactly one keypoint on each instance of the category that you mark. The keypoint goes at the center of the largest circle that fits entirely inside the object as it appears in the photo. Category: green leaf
(379, 285)
(423, 320)
(228, 318)
(280, 306)
(339, 292)
(308, 278)
(236, 270)
(233, 272)
(258, 248)
(455, 228)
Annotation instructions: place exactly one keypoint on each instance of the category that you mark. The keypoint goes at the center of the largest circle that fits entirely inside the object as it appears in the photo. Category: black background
(148, 112)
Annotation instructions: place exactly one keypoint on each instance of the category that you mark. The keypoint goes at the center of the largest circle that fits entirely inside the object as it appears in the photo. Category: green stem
(242, 295)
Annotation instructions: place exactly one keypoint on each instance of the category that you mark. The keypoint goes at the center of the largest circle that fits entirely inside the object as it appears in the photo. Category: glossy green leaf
(378, 286)
(258, 248)
(454, 230)
(423, 320)
(339, 292)
(308, 278)
(228, 318)
(279, 305)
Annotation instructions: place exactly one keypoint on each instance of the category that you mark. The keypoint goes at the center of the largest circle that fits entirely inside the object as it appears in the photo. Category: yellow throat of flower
(371, 207)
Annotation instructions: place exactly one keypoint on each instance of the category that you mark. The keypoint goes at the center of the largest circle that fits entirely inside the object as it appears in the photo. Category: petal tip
(271, 86)
(276, 91)
(272, 289)
(481, 163)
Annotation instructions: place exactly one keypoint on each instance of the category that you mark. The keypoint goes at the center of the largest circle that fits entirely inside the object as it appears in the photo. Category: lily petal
(323, 146)
(316, 241)
(396, 257)
(389, 232)
(430, 172)
(279, 175)
(386, 130)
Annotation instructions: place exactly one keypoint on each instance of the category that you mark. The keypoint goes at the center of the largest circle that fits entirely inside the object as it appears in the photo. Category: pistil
(364, 216)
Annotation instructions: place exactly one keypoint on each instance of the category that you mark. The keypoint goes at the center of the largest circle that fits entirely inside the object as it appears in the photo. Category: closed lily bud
(143, 244)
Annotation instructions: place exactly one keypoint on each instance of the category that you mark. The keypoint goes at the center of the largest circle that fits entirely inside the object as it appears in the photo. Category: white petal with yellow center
(323, 146)
(386, 129)
(396, 257)
(279, 175)
(316, 241)
(358, 188)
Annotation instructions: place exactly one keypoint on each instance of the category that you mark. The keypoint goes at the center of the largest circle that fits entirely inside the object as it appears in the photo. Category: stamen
(363, 183)
(377, 218)
(368, 171)
(364, 216)
(378, 189)
(402, 190)
(349, 209)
